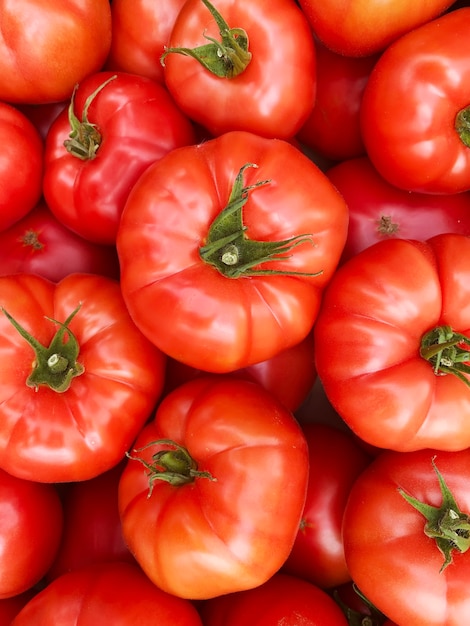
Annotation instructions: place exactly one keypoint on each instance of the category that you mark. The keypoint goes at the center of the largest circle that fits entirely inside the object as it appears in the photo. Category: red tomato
(289, 375)
(394, 553)
(116, 126)
(391, 343)
(379, 210)
(333, 127)
(318, 554)
(21, 165)
(222, 307)
(40, 244)
(262, 76)
(414, 114)
(74, 394)
(30, 532)
(46, 47)
(135, 49)
(108, 593)
(360, 28)
(282, 600)
(214, 505)
(92, 526)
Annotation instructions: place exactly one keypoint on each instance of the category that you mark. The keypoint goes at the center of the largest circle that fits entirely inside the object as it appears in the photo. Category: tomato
(379, 210)
(282, 600)
(92, 526)
(396, 553)
(360, 29)
(333, 127)
(214, 504)
(40, 244)
(109, 593)
(223, 307)
(289, 375)
(259, 73)
(135, 49)
(391, 343)
(414, 114)
(21, 165)
(317, 554)
(79, 380)
(116, 126)
(46, 47)
(30, 531)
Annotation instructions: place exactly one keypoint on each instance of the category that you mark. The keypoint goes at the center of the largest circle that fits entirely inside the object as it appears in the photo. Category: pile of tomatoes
(234, 313)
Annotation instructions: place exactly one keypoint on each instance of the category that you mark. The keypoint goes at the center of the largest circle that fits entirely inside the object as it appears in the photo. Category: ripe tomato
(116, 126)
(214, 504)
(76, 392)
(222, 307)
(318, 554)
(391, 343)
(414, 113)
(30, 532)
(379, 210)
(282, 600)
(46, 47)
(394, 553)
(40, 244)
(360, 28)
(262, 76)
(108, 593)
(135, 49)
(21, 165)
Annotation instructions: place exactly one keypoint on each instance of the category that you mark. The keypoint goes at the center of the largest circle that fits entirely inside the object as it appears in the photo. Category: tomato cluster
(234, 313)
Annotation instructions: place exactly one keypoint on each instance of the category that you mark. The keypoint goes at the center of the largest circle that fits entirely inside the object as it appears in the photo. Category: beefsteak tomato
(215, 502)
(225, 248)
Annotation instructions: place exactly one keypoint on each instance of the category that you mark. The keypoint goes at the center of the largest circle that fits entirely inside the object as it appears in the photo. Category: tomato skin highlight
(215, 535)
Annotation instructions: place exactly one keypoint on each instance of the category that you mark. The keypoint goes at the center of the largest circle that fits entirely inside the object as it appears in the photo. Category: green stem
(232, 253)
(447, 351)
(447, 524)
(462, 126)
(56, 365)
(85, 138)
(226, 58)
(174, 466)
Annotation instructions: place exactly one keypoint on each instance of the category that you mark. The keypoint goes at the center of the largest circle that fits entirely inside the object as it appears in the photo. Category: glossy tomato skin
(384, 533)
(368, 337)
(21, 165)
(111, 593)
(47, 47)
(283, 599)
(335, 461)
(380, 211)
(138, 123)
(410, 104)
(40, 244)
(273, 95)
(135, 49)
(92, 526)
(30, 532)
(188, 308)
(233, 529)
(359, 29)
(333, 127)
(78, 433)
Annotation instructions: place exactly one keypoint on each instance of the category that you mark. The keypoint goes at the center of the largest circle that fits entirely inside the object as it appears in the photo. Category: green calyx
(447, 351)
(226, 58)
(462, 126)
(231, 252)
(56, 365)
(447, 524)
(174, 465)
(85, 138)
